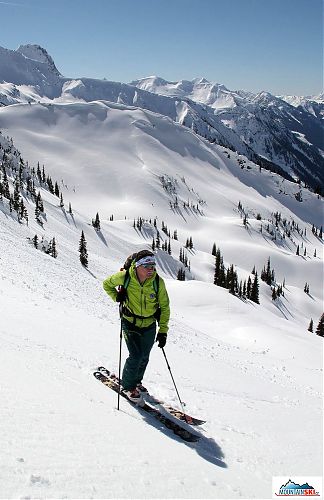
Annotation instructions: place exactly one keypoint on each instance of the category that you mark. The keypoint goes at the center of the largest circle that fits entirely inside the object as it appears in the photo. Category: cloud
(12, 4)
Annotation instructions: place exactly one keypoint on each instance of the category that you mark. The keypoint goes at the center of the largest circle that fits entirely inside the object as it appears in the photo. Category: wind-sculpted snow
(260, 126)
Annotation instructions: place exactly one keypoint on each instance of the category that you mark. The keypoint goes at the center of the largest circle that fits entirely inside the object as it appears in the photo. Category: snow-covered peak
(212, 94)
(39, 54)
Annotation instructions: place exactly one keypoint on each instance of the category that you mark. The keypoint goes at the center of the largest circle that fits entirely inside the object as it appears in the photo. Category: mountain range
(74, 148)
(283, 134)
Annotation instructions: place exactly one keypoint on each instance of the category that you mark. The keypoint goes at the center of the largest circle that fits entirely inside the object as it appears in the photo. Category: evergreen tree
(50, 185)
(153, 245)
(181, 275)
(35, 241)
(16, 196)
(311, 326)
(231, 280)
(54, 250)
(37, 216)
(320, 327)
(158, 240)
(39, 173)
(70, 209)
(214, 249)
(255, 290)
(96, 222)
(61, 201)
(56, 190)
(22, 214)
(249, 288)
(297, 251)
(83, 250)
(39, 202)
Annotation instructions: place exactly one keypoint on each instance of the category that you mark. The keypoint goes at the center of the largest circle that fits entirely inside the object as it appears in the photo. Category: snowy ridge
(259, 126)
(252, 371)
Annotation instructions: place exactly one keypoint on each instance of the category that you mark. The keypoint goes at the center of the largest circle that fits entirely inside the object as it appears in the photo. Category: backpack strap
(156, 285)
(126, 279)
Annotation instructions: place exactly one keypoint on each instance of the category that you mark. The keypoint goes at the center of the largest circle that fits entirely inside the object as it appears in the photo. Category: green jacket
(141, 298)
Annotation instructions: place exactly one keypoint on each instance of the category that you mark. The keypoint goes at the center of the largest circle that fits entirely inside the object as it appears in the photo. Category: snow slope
(252, 371)
(271, 132)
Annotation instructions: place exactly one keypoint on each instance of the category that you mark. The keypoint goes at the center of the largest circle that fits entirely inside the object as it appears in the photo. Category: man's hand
(161, 339)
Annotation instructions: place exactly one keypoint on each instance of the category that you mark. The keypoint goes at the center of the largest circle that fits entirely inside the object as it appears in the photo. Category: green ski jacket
(141, 299)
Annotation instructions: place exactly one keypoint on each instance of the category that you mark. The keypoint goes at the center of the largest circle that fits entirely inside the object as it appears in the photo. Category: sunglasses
(148, 266)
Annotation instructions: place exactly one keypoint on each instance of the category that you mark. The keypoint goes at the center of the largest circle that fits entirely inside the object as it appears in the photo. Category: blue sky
(273, 45)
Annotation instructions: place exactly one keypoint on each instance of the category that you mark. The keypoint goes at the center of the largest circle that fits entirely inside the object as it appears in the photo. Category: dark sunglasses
(148, 266)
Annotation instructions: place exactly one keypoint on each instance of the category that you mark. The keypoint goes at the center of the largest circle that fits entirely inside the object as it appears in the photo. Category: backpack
(122, 290)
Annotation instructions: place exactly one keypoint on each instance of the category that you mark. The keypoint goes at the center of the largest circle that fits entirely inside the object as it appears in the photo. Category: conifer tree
(214, 249)
(83, 250)
(249, 288)
(255, 290)
(96, 222)
(39, 202)
(54, 250)
(61, 201)
(311, 326)
(37, 216)
(244, 289)
(16, 196)
(274, 293)
(181, 275)
(158, 240)
(35, 241)
(320, 327)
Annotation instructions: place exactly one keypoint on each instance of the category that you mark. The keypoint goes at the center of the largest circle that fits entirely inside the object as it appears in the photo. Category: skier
(144, 301)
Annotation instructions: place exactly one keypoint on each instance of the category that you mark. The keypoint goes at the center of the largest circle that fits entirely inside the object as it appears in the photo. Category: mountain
(272, 127)
(252, 371)
(266, 129)
(312, 104)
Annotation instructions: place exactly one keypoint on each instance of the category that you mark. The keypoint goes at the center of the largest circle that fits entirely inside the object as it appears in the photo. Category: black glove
(161, 339)
(121, 295)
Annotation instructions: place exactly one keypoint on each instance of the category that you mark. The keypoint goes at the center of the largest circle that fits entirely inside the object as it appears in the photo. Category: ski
(184, 434)
(178, 414)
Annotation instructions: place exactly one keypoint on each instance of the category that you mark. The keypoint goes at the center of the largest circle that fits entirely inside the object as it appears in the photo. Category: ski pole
(181, 403)
(120, 351)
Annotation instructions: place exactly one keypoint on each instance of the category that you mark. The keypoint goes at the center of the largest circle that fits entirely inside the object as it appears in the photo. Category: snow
(252, 371)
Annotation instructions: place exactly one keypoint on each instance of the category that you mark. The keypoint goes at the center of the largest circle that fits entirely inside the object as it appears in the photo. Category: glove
(121, 295)
(161, 339)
